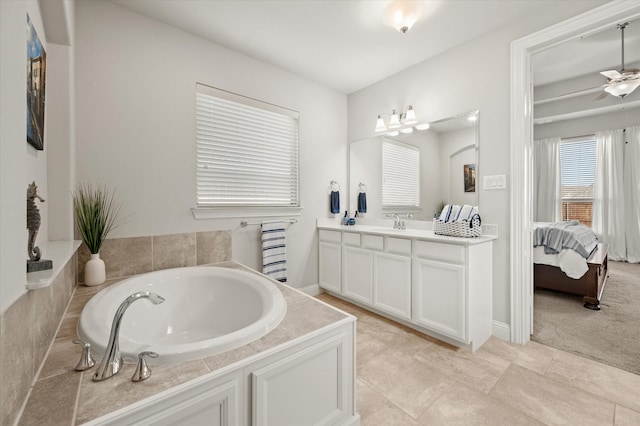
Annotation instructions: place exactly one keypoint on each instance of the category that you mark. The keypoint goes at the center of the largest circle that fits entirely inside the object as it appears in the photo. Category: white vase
(94, 271)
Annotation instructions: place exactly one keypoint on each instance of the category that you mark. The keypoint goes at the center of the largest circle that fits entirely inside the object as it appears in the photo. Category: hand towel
(455, 209)
(362, 202)
(334, 202)
(274, 253)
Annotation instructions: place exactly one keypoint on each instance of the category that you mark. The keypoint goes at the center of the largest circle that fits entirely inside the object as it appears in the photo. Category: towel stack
(456, 213)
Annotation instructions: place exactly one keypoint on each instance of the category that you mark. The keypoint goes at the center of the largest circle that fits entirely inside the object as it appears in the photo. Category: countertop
(63, 396)
(410, 233)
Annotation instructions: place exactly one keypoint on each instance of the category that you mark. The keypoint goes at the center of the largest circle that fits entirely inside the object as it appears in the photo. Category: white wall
(472, 76)
(135, 100)
(589, 125)
(458, 148)
(20, 163)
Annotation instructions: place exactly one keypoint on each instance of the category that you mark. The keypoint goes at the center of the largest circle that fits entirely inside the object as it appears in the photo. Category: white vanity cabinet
(330, 260)
(392, 278)
(439, 285)
(452, 290)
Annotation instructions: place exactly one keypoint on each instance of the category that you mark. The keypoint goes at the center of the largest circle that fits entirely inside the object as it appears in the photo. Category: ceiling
(341, 44)
(596, 52)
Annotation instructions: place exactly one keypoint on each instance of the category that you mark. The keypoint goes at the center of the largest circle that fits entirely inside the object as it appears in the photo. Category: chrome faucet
(112, 360)
(396, 222)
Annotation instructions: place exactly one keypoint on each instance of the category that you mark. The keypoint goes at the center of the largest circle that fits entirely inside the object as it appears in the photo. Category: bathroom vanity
(436, 284)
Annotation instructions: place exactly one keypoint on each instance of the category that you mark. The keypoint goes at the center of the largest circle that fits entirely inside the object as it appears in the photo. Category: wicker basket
(459, 229)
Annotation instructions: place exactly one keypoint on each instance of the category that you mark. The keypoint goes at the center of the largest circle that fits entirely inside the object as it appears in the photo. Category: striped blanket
(566, 235)
(274, 251)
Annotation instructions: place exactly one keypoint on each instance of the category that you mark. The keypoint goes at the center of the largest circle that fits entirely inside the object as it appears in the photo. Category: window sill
(203, 213)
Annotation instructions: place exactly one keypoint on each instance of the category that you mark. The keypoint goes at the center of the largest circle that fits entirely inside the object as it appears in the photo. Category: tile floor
(406, 378)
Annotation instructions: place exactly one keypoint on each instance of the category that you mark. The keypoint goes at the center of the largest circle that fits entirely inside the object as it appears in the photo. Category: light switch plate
(494, 182)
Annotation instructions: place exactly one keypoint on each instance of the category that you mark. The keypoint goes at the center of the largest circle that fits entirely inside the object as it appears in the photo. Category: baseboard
(502, 330)
(311, 290)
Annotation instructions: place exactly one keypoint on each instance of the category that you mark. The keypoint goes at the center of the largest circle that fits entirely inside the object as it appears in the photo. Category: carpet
(610, 335)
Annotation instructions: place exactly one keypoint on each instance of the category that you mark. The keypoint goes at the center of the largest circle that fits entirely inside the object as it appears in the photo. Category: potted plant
(96, 214)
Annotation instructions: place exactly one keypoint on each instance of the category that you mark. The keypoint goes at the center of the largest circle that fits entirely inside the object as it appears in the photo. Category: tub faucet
(112, 360)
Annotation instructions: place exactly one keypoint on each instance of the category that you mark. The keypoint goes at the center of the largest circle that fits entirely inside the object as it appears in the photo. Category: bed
(572, 262)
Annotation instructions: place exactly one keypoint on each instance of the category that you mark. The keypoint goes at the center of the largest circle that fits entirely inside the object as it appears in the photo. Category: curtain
(547, 193)
(631, 176)
(609, 194)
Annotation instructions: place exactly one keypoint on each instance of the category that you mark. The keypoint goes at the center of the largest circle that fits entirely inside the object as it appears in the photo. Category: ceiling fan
(623, 82)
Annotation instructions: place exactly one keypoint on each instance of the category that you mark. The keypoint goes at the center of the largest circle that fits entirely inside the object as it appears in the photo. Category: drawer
(329, 236)
(351, 239)
(373, 242)
(440, 251)
(398, 245)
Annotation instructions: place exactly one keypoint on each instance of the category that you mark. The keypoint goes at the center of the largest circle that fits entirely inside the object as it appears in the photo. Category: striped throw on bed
(274, 250)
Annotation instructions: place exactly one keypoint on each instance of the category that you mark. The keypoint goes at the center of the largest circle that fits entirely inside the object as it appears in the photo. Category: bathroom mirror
(448, 166)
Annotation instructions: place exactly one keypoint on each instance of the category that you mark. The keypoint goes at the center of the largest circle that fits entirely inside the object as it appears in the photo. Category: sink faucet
(112, 360)
(396, 222)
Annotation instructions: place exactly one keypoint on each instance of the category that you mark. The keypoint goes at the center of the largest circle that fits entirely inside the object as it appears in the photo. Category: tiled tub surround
(59, 388)
(129, 256)
(27, 328)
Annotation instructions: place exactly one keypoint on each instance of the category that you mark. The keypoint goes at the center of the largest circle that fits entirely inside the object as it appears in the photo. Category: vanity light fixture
(394, 133)
(396, 120)
(406, 130)
(424, 126)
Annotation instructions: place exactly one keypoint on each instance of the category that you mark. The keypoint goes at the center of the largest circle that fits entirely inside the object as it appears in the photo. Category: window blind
(578, 168)
(400, 175)
(246, 151)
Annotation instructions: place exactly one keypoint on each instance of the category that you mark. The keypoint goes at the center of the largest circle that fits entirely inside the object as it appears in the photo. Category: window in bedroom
(400, 176)
(578, 168)
(246, 151)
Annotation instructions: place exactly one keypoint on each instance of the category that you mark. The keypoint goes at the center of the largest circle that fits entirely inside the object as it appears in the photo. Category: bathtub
(207, 310)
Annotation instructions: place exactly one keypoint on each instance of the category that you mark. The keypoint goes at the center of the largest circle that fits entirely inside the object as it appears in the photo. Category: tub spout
(112, 360)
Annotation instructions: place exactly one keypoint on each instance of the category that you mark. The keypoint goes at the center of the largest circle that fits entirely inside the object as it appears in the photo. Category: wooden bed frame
(590, 285)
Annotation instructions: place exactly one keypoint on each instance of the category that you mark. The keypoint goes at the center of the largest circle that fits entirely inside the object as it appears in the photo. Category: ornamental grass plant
(96, 214)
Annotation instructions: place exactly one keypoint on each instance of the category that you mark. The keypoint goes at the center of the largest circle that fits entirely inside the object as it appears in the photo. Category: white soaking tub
(207, 310)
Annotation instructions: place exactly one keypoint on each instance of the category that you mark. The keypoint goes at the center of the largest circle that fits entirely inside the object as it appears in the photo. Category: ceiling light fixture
(625, 81)
(397, 120)
(401, 15)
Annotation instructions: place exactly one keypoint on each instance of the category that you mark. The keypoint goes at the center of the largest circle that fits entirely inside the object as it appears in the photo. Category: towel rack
(244, 223)
(362, 187)
(332, 183)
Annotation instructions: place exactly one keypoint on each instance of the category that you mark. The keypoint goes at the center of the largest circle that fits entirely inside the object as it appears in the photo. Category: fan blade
(611, 74)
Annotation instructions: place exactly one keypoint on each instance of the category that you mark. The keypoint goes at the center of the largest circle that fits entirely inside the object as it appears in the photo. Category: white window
(247, 151)
(577, 169)
(400, 175)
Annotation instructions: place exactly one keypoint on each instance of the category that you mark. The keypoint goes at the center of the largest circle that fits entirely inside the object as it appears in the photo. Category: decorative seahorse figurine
(33, 221)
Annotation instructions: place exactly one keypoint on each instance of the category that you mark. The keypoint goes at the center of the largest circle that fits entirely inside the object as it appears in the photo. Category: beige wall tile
(213, 247)
(551, 401)
(174, 251)
(123, 257)
(16, 357)
(306, 316)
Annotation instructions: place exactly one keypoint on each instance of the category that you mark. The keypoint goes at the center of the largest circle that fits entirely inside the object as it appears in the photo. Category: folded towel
(455, 210)
(465, 212)
(444, 214)
(334, 202)
(362, 202)
(274, 253)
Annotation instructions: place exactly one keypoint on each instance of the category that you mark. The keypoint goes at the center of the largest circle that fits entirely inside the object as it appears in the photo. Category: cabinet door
(309, 387)
(392, 284)
(357, 271)
(439, 297)
(330, 259)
